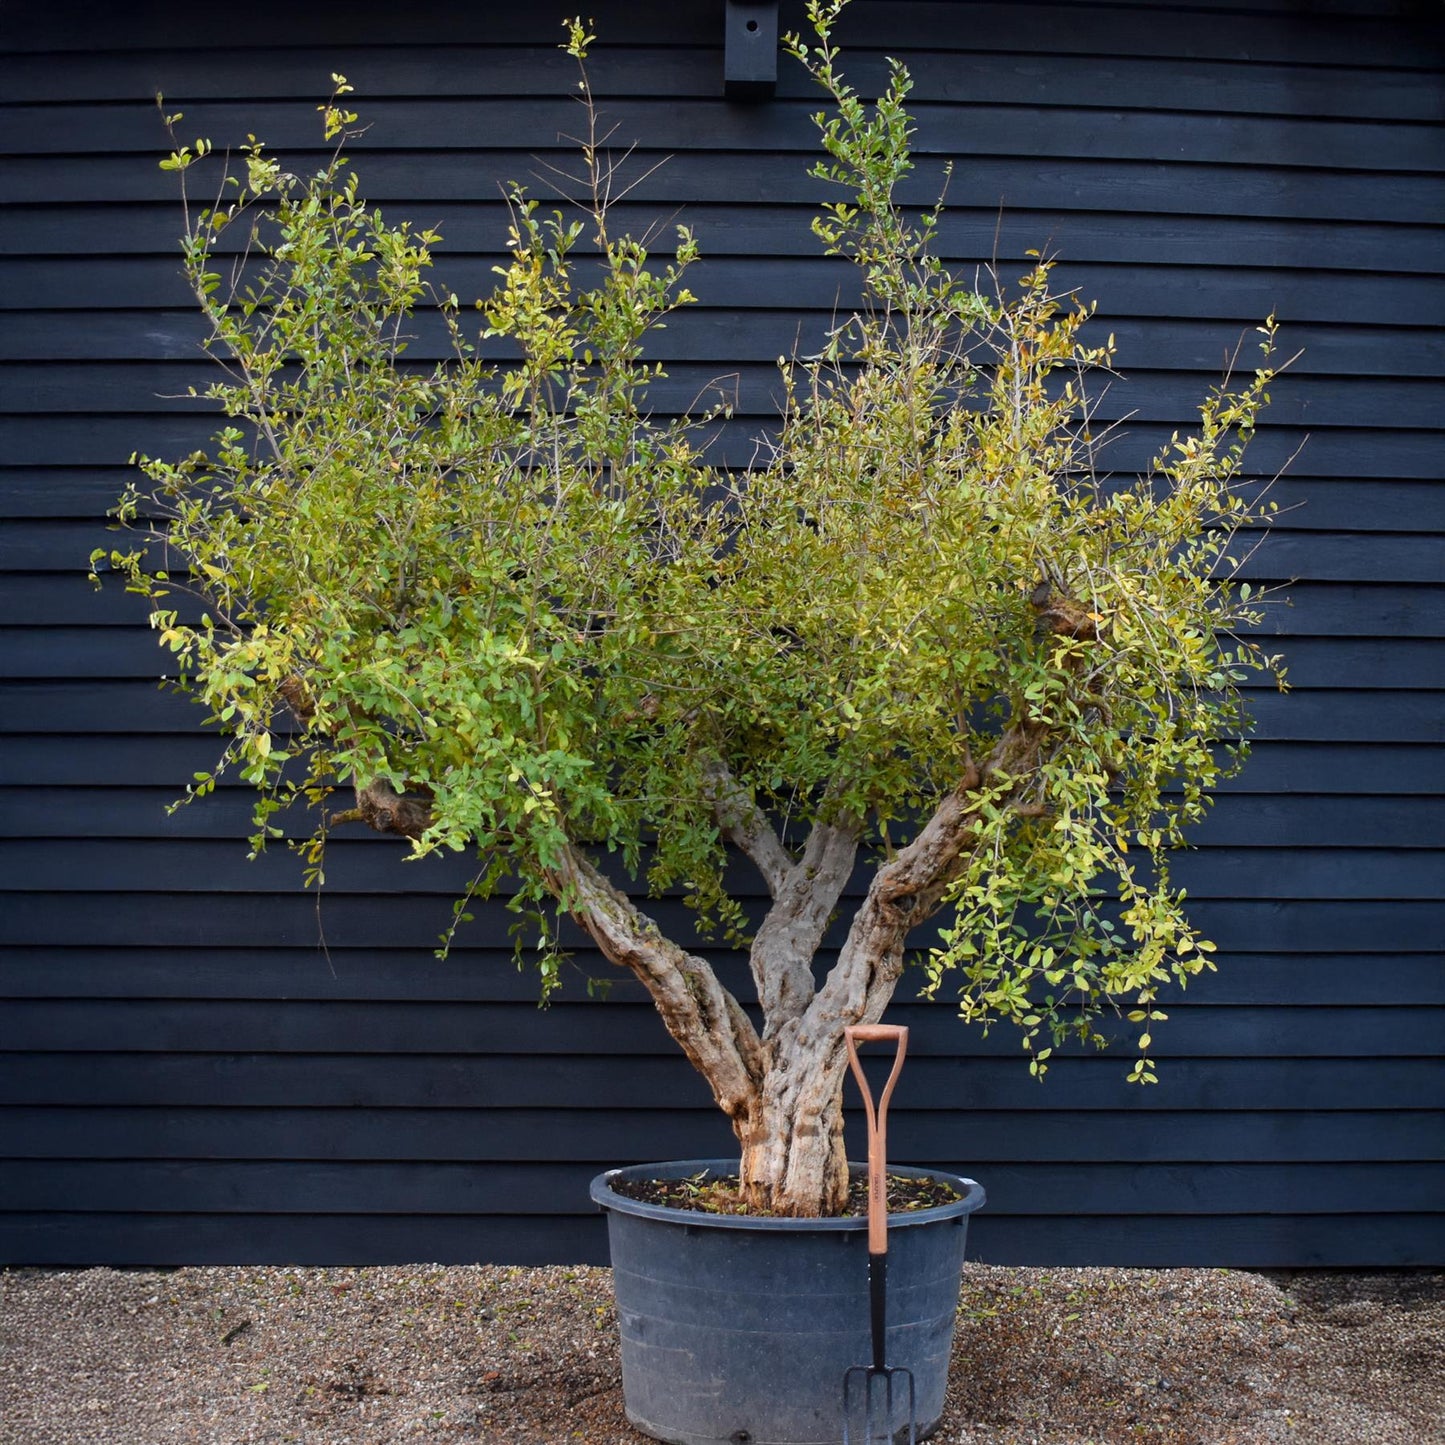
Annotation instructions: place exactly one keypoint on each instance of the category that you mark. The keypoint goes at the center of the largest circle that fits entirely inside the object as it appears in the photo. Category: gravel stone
(514, 1356)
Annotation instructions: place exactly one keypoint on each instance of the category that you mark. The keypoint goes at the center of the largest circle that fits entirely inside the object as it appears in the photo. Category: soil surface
(722, 1194)
(511, 1356)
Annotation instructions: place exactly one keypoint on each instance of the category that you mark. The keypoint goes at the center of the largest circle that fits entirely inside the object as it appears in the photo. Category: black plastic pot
(738, 1330)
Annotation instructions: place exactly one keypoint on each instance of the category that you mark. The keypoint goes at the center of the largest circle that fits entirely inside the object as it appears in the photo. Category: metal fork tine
(870, 1398)
(850, 1403)
(912, 1409)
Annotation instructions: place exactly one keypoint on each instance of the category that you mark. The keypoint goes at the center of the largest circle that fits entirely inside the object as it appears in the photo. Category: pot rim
(971, 1197)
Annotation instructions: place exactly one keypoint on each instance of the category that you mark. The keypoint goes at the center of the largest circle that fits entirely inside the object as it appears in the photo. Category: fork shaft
(878, 1307)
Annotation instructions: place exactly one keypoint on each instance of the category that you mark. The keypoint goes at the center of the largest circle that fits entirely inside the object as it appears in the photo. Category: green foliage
(511, 593)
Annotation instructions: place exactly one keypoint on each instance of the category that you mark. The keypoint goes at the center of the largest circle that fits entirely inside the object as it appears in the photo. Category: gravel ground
(528, 1357)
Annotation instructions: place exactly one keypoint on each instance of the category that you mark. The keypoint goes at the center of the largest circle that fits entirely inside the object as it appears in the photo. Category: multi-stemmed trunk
(781, 1086)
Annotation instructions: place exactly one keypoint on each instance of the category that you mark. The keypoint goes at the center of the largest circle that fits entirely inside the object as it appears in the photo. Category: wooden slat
(1302, 608)
(503, 1134)
(162, 1240)
(355, 865)
(1402, 453)
(1288, 561)
(1076, 1086)
(1406, 664)
(1236, 820)
(1331, 405)
(464, 1135)
(423, 1188)
(965, 76)
(1350, 769)
(1246, 1241)
(1306, 503)
(103, 706)
(178, 919)
(1347, 716)
(687, 127)
(169, 342)
(97, 285)
(395, 1028)
(973, 236)
(445, 188)
(1089, 30)
(476, 970)
(66, 545)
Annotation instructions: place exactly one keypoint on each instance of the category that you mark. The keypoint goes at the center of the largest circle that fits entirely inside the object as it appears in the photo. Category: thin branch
(746, 826)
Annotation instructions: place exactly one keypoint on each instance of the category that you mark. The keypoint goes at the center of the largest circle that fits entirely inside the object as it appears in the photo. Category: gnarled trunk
(781, 1089)
(793, 1159)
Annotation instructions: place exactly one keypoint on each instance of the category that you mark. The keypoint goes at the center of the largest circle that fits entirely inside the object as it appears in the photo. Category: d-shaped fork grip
(854, 1035)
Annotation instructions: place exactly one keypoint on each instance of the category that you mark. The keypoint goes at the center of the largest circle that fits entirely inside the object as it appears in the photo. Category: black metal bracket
(750, 62)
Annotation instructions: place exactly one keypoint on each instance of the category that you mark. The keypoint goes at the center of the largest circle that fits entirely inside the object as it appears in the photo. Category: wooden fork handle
(854, 1035)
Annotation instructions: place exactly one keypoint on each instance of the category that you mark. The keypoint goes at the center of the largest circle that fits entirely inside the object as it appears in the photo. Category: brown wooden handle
(876, 1033)
(854, 1035)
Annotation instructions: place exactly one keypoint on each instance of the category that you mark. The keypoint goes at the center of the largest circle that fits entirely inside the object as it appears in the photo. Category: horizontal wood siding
(189, 1076)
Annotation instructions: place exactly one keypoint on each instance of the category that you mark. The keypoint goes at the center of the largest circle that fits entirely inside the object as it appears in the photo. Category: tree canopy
(515, 613)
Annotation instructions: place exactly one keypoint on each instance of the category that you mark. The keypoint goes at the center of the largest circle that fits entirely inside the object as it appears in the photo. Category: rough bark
(781, 1090)
(382, 808)
(788, 938)
(909, 888)
(746, 826)
(793, 1127)
(793, 1158)
(702, 1017)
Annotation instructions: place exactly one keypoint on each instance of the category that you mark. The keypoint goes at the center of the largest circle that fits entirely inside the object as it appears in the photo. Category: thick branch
(1061, 615)
(383, 809)
(706, 1021)
(378, 804)
(909, 888)
(805, 892)
(746, 826)
(783, 948)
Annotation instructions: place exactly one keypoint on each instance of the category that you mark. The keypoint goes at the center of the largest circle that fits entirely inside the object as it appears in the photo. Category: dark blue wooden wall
(188, 1077)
